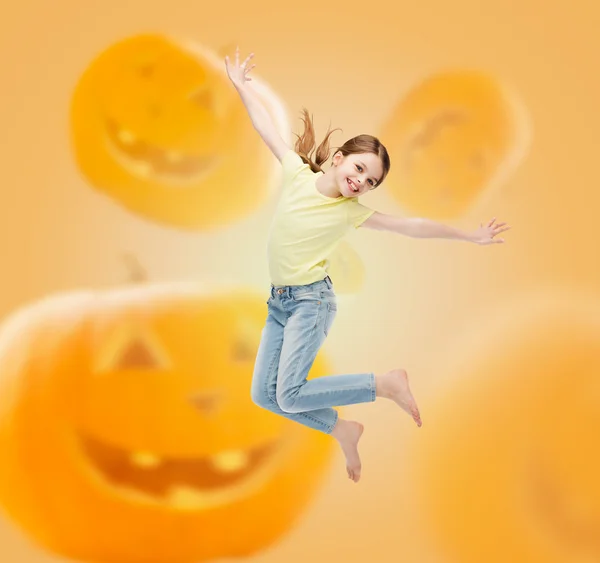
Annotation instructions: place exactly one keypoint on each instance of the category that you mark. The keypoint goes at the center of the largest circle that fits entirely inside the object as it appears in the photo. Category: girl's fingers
(491, 222)
(248, 59)
(231, 67)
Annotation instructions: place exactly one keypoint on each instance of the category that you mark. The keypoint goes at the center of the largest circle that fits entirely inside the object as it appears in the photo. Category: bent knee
(287, 403)
(263, 400)
(260, 398)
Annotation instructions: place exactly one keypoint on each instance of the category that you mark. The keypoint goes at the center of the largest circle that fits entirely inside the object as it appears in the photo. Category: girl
(315, 210)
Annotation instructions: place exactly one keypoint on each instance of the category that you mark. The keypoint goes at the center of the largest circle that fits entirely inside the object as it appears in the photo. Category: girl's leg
(264, 380)
(303, 336)
(264, 390)
(264, 385)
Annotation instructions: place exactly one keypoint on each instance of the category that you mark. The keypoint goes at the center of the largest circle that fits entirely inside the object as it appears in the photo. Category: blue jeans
(298, 321)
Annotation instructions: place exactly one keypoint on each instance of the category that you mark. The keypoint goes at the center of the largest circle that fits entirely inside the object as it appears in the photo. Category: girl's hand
(485, 235)
(238, 72)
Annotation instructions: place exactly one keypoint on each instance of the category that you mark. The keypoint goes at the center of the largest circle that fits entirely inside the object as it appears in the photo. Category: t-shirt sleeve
(292, 165)
(358, 213)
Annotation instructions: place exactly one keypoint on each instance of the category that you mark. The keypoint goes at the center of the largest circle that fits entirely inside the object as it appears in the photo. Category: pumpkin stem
(137, 272)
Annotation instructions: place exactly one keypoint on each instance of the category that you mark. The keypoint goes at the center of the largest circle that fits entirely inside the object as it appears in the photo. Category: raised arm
(426, 228)
(238, 74)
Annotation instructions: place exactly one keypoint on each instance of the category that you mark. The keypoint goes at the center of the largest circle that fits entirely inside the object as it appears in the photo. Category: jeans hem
(332, 425)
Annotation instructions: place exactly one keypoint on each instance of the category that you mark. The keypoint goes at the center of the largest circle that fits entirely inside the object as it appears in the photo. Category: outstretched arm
(258, 113)
(426, 228)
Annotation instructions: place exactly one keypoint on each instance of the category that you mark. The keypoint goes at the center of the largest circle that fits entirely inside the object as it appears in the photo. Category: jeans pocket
(330, 316)
(307, 296)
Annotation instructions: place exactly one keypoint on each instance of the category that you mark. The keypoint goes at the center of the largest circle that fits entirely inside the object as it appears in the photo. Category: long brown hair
(305, 146)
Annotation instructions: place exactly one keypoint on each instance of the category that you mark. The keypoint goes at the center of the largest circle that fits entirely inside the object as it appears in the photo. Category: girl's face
(357, 173)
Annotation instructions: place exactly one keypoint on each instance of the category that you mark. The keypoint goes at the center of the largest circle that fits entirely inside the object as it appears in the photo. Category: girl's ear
(337, 157)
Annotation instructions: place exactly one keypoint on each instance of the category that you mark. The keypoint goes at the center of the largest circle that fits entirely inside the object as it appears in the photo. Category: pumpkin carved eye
(137, 355)
(242, 351)
(202, 97)
(130, 349)
(246, 341)
(146, 70)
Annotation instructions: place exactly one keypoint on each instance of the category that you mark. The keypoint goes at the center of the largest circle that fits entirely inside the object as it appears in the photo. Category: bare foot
(348, 433)
(394, 385)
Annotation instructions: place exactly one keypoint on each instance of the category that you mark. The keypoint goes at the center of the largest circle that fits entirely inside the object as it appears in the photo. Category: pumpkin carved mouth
(184, 482)
(147, 160)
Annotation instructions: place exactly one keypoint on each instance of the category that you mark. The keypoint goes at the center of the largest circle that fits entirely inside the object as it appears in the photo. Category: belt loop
(328, 282)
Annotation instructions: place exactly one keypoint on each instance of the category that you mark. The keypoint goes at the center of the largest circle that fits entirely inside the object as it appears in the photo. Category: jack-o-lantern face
(157, 126)
(508, 470)
(104, 457)
(455, 136)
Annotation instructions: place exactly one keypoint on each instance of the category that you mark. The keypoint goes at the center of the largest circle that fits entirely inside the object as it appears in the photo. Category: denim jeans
(298, 321)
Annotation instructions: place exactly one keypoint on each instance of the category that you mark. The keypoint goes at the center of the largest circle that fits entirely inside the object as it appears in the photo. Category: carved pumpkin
(455, 136)
(508, 470)
(104, 458)
(157, 125)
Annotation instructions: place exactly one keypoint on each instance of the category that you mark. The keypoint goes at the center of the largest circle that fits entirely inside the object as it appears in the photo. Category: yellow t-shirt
(307, 225)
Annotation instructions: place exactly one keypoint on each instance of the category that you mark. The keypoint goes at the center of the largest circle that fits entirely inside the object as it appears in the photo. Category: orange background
(349, 64)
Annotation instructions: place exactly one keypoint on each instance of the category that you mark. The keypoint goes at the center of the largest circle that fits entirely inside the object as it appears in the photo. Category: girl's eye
(371, 182)
(359, 168)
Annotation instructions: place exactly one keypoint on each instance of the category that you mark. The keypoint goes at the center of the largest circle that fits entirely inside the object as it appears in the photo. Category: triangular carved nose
(207, 402)
(137, 356)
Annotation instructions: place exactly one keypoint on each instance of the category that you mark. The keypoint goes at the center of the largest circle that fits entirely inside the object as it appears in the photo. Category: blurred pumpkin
(508, 467)
(346, 269)
(455, 135)
(157, 125)
(103, 457)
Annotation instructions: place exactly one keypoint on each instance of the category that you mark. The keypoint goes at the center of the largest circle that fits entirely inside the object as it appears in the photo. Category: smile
(192, 483)
(352, 187)
(147, 160)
